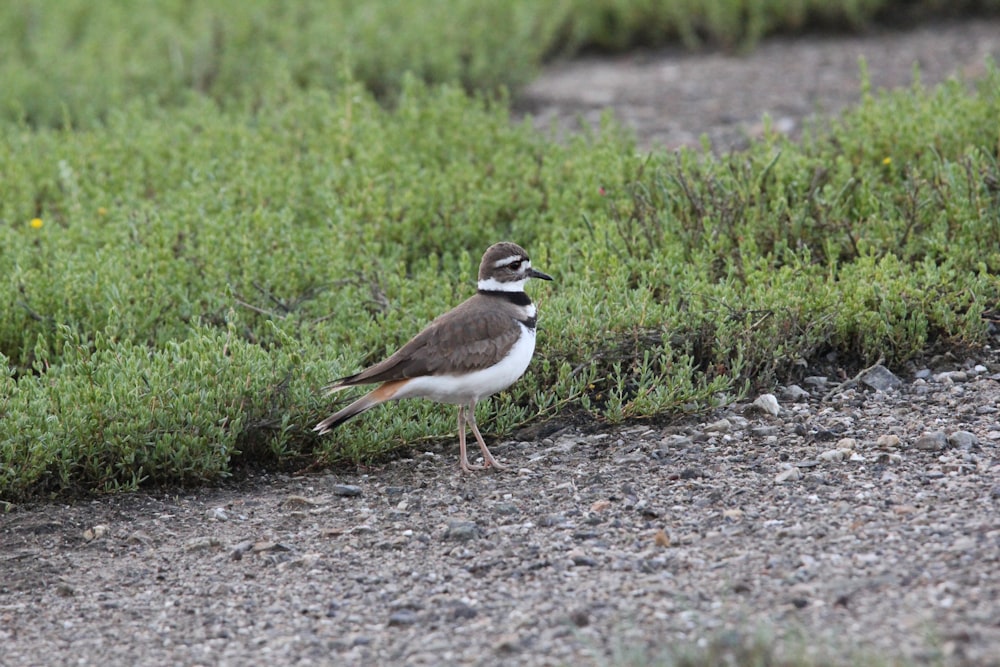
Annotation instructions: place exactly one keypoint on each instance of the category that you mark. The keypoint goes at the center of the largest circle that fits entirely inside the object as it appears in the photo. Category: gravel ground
(671, 98)
(853, 520)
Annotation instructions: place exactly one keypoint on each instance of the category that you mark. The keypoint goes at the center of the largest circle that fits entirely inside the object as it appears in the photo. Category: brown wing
(458, 341)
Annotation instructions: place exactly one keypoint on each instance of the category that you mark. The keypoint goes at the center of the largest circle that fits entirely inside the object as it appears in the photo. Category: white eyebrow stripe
(510, 260)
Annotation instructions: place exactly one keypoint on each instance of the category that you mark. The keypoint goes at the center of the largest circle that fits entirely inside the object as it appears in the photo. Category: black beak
(535, 273)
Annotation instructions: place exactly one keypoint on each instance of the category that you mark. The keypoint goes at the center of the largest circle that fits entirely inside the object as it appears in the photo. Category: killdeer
(463, 356)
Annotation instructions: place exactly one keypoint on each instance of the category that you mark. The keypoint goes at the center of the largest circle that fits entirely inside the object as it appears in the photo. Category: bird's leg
(488, 459)
(461, 442)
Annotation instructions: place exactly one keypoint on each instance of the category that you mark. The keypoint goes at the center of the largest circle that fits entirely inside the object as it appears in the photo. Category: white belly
(472, 387)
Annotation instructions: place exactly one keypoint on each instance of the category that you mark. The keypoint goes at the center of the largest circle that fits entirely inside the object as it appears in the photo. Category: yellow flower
(101, 210)
(887, 161)
(36, 223)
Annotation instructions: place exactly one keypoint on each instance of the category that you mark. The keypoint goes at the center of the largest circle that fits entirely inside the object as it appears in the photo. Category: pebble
(818, 381)
(788, 475)
(201, 544)
(833, 455)
(847, 444)
(345, 490)
(932, 441)
(240, 549)
(888, 441)
(402, 618)
(880, 378)
(462, 531)
(582, 560)
(794, 393)
(216, 514)
(767, 403)
(963, 440)
(96, 533)
(463, 611)
(949, 377)
(720, 426)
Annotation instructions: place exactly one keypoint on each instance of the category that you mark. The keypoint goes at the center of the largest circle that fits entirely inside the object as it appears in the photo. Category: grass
(76, 62)
(198, 274)
(184, 261)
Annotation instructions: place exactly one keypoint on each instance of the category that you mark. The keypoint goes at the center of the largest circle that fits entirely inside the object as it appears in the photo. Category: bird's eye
(515, 266)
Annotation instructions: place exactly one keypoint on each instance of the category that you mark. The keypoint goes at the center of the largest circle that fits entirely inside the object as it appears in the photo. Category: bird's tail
(375, 397)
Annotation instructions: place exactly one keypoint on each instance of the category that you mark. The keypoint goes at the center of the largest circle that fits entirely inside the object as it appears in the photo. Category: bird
(474, 350)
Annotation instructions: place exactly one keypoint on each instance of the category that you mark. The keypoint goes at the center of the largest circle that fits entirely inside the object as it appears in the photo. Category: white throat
(493, 285)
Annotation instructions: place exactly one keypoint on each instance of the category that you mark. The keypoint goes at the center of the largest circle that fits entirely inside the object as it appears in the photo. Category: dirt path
(671, 98)
(866, 521)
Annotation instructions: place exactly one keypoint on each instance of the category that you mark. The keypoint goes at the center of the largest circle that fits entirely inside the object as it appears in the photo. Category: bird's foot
(468, 467)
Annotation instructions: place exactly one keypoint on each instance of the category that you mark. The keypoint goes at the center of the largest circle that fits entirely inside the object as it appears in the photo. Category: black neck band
(516, 298)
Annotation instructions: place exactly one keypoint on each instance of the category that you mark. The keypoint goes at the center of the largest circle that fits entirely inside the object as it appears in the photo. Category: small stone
(240, 549)
(720, 426)
(346, 490)
(582, 560)
(96, 533)
(661, 539)
(931, 441)
(462, 531)
(676, 441)
(216, 514)
(963, 440)
(847, 444)
(888, 442)
(949, 377)
(763, 431)
(767, 403)
(833, 455)
(580, 618)
(507, 645)
(818, 381)
(794, 393)
(788, 475)
(506, 509)
(402, 618)
(299, 502)
(201, 544)
(463, 611)
(880, 378)
(979, 369)
(734, 514)
(856, 458)
(600, 505)
(922, 374)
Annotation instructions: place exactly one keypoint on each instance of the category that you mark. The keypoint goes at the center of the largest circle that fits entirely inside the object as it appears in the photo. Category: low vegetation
(178, 284)
(178, 280)
(77, 62)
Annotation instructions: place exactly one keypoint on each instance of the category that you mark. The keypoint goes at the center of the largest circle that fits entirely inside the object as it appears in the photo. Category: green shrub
(76, 63)
(198, 274)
